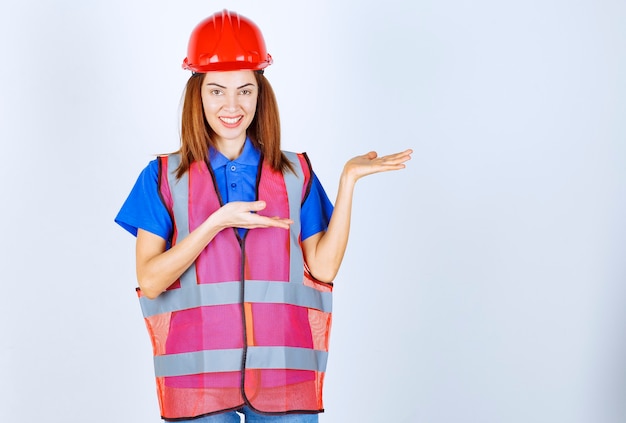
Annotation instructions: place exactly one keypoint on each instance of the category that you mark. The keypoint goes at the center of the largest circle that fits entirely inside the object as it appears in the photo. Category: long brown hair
(196, 134)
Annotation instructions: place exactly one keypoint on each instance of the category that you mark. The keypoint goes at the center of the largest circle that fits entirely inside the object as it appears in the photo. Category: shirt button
(233, 168)
(233, 185)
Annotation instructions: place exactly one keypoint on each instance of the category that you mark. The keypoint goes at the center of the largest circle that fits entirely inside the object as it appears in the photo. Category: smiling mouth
(231, 121)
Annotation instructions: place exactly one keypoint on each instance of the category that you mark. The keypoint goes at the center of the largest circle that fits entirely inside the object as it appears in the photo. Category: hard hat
(226, 41)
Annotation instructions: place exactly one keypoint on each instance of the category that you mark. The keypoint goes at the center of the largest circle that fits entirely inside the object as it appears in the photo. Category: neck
(231, 149)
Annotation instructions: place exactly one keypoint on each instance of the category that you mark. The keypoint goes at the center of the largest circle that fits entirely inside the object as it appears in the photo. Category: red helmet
(226, 41)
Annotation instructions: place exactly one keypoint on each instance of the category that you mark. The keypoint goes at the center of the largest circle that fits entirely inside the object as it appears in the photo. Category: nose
(232, 101)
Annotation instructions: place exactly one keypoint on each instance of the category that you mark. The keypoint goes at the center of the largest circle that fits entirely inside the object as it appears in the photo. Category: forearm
(331, 246)
(158, 269)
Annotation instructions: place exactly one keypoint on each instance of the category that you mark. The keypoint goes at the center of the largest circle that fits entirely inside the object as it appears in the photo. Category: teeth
(230, 120)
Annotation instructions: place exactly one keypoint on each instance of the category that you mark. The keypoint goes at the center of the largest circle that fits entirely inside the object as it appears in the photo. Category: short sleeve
(316, 210)
(144, 208)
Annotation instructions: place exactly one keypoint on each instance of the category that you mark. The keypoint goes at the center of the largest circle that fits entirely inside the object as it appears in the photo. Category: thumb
(257, 205)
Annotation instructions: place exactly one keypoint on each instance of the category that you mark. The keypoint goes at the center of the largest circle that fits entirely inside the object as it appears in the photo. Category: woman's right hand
(243, 214)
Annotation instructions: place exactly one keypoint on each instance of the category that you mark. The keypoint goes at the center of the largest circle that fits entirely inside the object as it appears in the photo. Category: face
(229, 103)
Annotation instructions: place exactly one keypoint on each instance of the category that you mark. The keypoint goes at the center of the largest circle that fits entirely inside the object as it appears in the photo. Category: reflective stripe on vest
(230, 293)
(230, 360)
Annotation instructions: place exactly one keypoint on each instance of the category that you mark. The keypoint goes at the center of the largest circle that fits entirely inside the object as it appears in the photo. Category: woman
(238, 244)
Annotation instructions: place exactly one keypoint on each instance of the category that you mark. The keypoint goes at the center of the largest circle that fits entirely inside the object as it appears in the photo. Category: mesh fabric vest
(246, 324)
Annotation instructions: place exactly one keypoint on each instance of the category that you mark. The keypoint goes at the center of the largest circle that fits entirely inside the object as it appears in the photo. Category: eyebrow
(223, 87)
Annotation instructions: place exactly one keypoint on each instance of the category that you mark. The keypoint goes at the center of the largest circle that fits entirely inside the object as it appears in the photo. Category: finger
(283, 219)
(403, 154)
(282, 223)
(275, 222)
(398, 157)
(257, 205)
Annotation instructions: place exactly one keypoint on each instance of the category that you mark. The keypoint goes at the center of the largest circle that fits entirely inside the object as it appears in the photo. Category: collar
(249, 156)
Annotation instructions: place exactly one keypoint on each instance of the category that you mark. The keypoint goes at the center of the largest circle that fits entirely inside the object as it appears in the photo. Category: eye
(246, 91)
(216, 92)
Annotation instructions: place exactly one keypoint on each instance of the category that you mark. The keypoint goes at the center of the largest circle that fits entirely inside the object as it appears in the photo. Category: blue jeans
(252, 417)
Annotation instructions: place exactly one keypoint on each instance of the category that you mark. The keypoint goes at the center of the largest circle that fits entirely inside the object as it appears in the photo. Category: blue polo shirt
(236, 181)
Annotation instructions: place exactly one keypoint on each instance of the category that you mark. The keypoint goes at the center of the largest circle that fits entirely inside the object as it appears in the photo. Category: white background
(484, 283)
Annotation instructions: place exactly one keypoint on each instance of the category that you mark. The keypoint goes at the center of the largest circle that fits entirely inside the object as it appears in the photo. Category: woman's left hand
(370, 163)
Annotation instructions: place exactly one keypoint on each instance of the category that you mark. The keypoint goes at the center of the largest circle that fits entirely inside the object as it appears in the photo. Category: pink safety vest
(246, 324)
